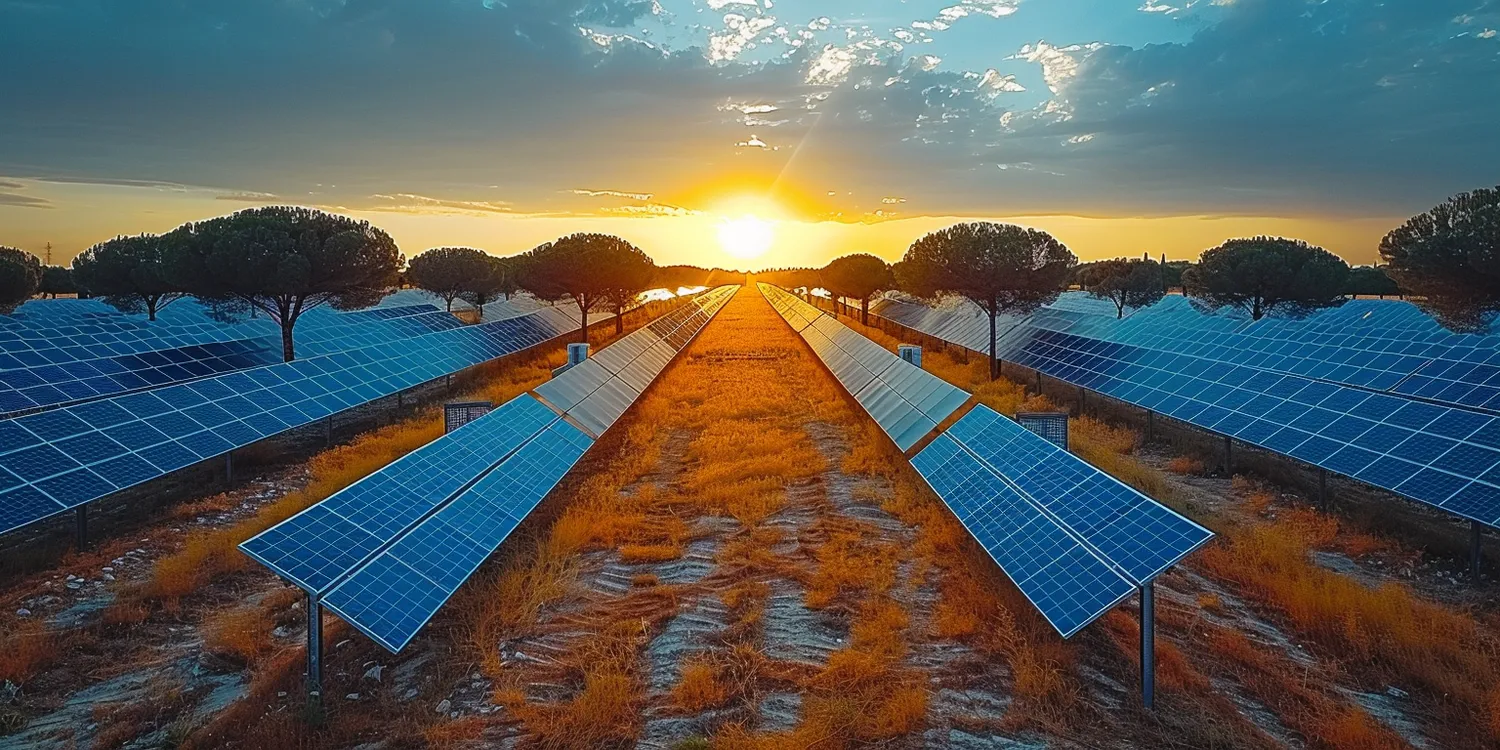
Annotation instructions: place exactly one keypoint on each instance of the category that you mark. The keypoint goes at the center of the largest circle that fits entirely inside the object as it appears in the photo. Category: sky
(1121, 126)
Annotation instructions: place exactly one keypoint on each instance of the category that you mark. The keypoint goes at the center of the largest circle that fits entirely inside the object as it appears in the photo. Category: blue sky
(839, 111)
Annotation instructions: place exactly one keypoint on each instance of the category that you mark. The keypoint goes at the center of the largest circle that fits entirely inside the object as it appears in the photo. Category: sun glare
(746, 237)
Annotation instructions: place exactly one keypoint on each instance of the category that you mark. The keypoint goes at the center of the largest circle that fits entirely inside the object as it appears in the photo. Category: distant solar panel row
(55, 460)
(1074, 540)
(386, 552)
(1443, 456)
(906, 401)
(79, 379)
(597, 391)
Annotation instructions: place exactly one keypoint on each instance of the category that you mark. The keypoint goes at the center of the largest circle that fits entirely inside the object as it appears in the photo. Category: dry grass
(239, 634)
(1187, 465)
(700, 687)
(26, 650)
(1385, 634)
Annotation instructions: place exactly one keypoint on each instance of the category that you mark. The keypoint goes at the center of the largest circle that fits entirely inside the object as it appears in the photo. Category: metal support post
(1322, 489)
(1228, 455)
(1083, 400)
(314, 651)
(400, 399)
(229, 467)
(328, 430)
(1148, 645)
(447, 383)
(1475, 530)
(1150, 425)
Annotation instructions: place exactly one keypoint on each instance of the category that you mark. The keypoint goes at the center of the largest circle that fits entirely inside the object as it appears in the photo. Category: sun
(746, 237)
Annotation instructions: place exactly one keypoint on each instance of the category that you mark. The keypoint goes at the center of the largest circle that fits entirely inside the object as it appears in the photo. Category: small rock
(453, 715)
(342, 643)
(373, 673)
(280, 631)
(74, 585)
(1395, 692)
(352, 697)
(108, 577)
(107, 569)
(444, 706)
(409, 694)
(23, 612)
(280, 693)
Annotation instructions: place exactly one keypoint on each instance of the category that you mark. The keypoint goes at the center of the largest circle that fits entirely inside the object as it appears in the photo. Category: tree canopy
(1450, 257)
(447, 272)
(130, 273)
(1129, 282)
(627, 272)
(57, 280)
(284, 261)
(1171, 273)
(1370, 280)
(20, 276)
(859, 276)
(1262, 275)
(1002, 268)
(578, 267)
(486, 285)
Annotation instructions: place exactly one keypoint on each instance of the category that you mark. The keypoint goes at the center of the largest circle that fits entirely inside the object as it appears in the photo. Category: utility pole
(47, 249)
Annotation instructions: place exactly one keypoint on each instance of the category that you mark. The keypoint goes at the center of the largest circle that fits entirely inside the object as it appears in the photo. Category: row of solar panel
(1383, 345)
(386, 552)
(1074, 540)
(51, 385)
(1439, 455)
(55, 460)
(906, 401)
(595, 392)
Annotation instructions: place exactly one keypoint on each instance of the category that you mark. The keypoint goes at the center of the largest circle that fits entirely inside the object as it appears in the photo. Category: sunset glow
(746, 237)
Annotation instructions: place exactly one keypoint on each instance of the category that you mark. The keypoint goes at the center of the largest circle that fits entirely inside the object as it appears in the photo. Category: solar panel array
(388, 551)
(1349, 413)
(71, 363)
(56, 460)
(905, 400)
(1073, 539)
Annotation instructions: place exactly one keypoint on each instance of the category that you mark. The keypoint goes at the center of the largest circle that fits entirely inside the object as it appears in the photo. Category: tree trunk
(583, 311)
(288, 351)
(450, 304)
(151, 308)
(994, 360)
(619, 319)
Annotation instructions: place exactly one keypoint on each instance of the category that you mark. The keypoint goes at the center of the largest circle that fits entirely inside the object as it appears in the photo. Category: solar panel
(905, 400)
(1439, 455)
(324, 542)
(397, 592)
(173, 427)
(388, 551)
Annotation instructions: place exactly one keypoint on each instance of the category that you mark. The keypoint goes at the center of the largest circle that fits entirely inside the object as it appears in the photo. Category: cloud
(1357, 106)
(24, 201)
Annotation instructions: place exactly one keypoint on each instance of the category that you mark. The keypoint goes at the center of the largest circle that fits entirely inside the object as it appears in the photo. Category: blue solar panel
(394, 595)
(1384, 439)
(904, 400)
(176, 426)
(307, 548)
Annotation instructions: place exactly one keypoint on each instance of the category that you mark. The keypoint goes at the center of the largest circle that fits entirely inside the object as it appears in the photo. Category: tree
(446, 272)
(1172, 271)
(1002, 268)
(510, 275)
(1261, 275)
(1368, 280)
(578, 268)
(1450, 257)
(283, 261)
(130, 274)
(57, 280)
(859, 276)
(627, 272)
(486, 284)
(1126, 282)
(20, 276)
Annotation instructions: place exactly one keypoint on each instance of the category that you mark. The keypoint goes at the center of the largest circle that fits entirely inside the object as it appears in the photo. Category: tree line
(1448, 258)
(282, 261)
